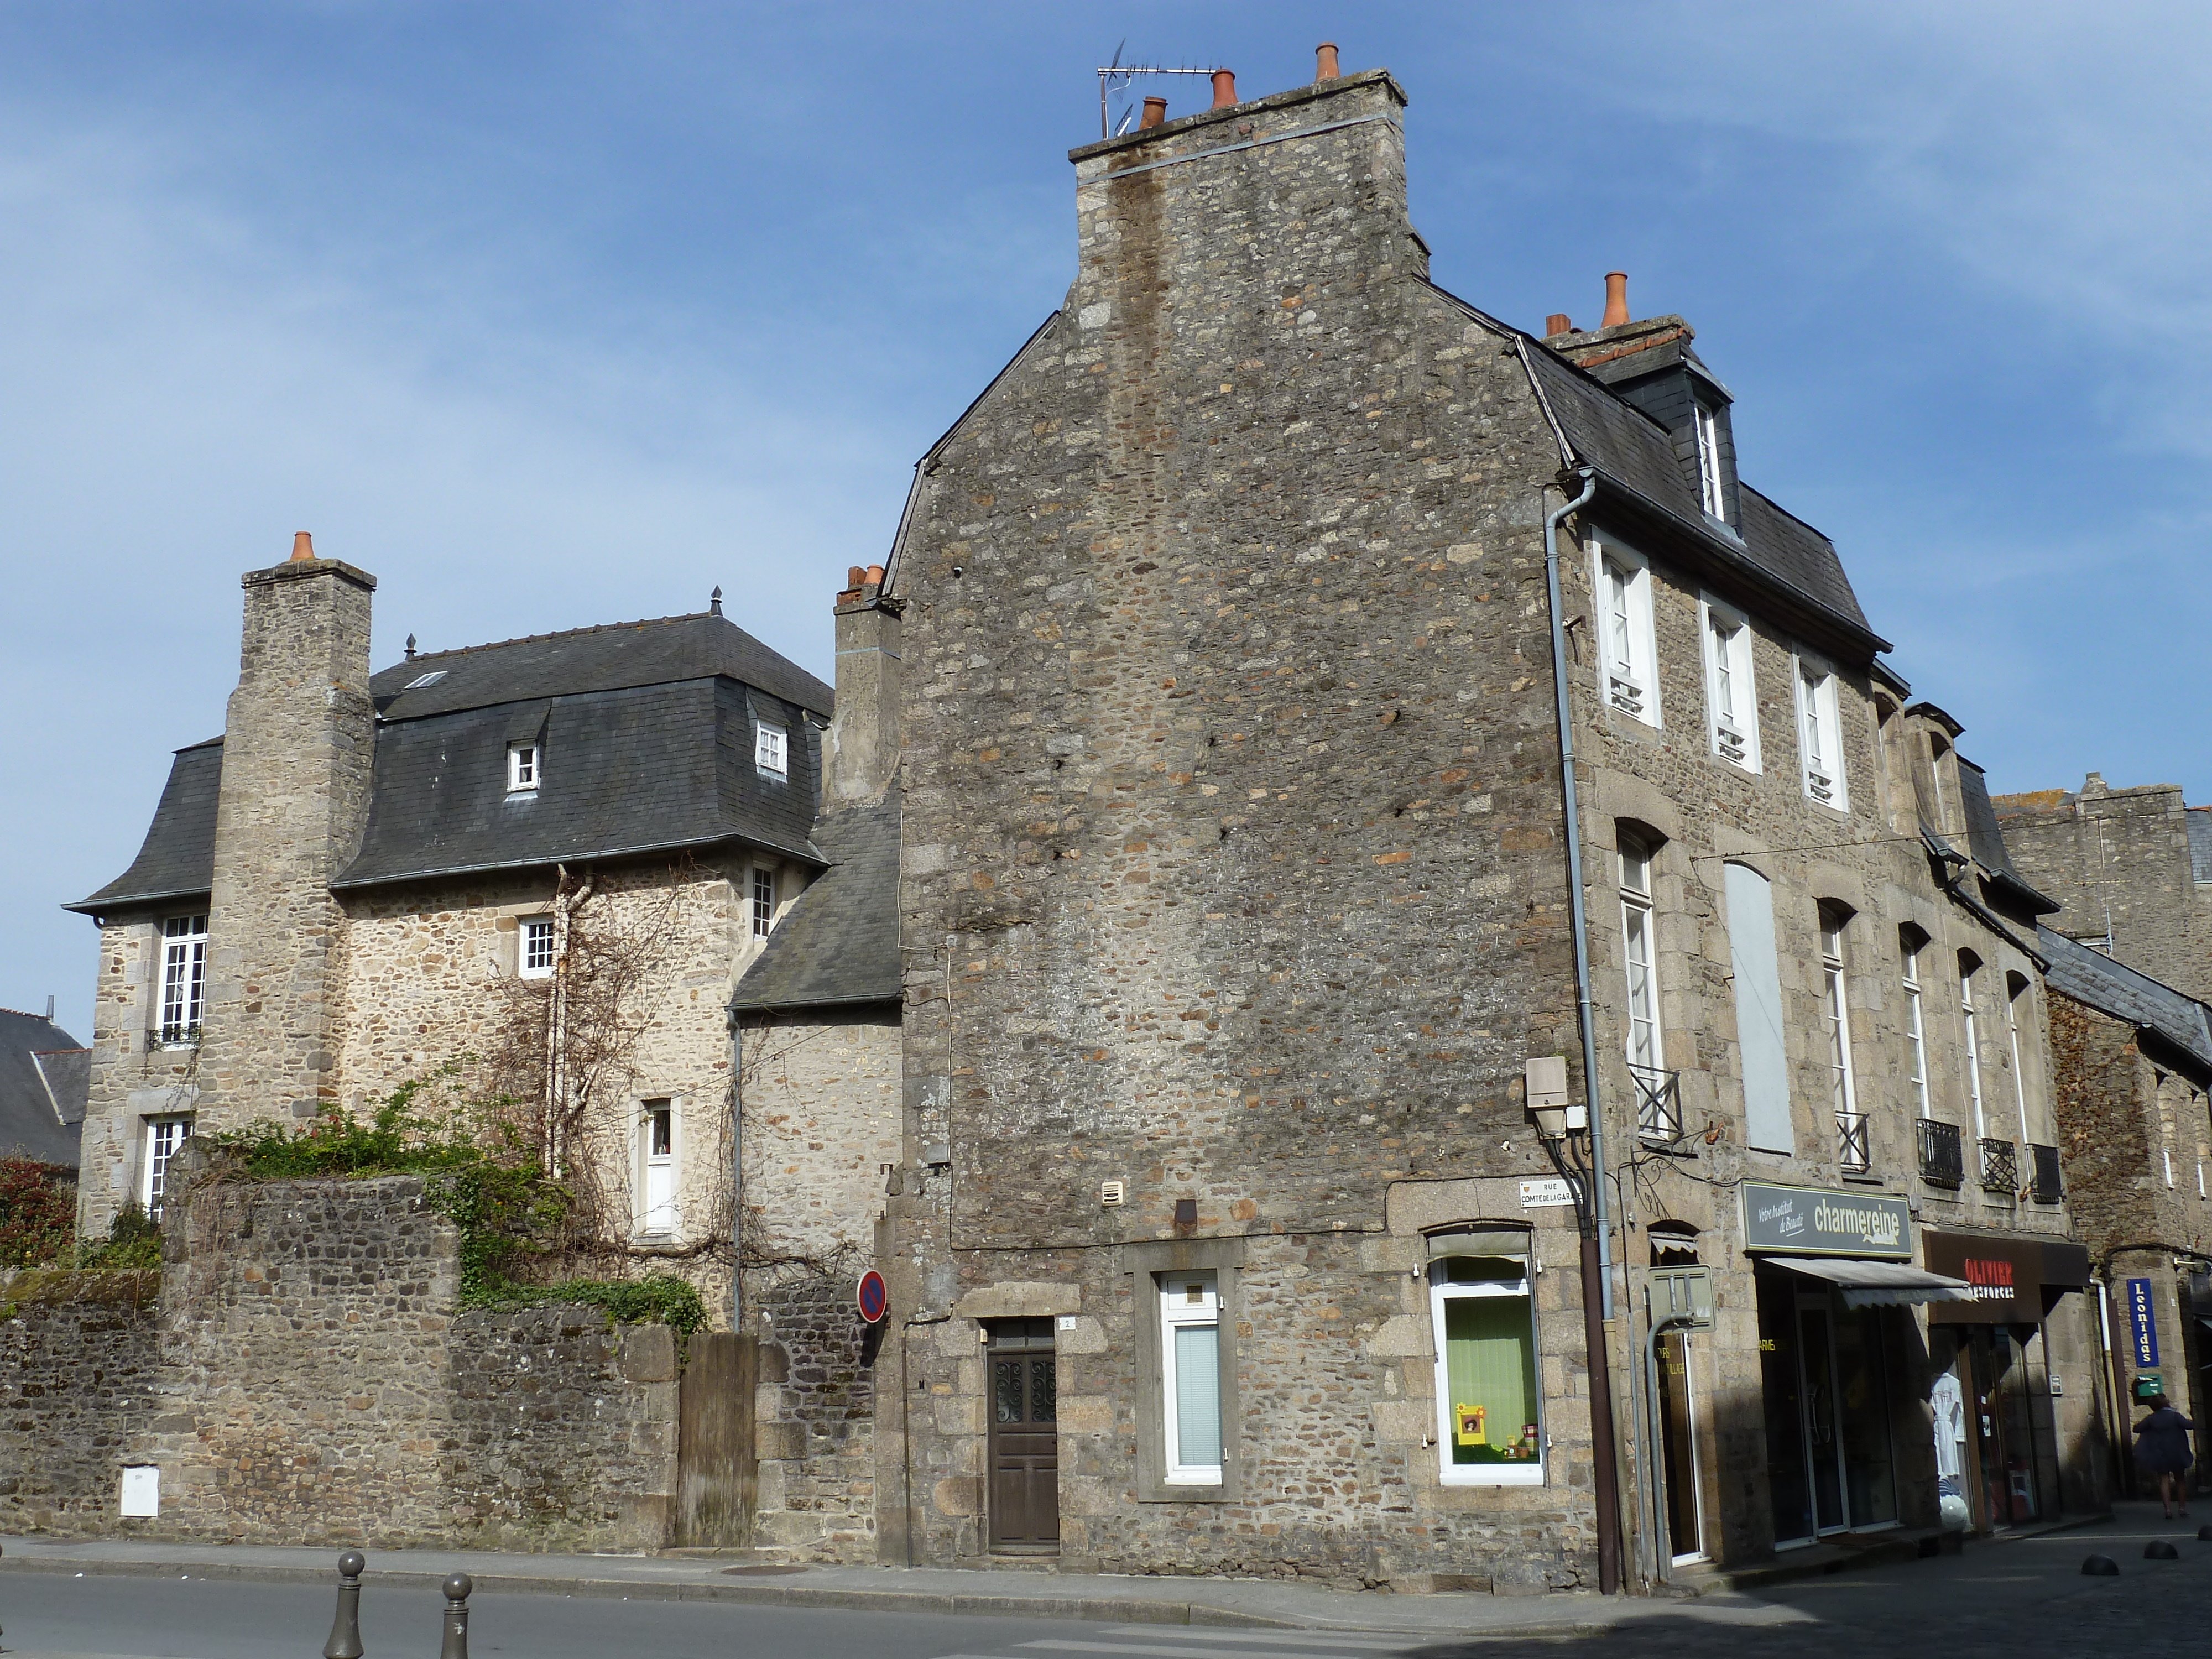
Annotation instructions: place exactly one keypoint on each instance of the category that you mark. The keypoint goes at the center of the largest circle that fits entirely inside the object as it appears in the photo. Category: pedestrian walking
(2162, 1448)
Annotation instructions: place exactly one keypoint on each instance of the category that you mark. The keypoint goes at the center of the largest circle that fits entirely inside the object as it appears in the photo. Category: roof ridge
(27, 1014)
(560, 634)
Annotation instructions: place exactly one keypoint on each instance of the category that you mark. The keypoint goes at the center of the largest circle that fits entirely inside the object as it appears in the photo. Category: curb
(1886, 1554)
(1087, 1609)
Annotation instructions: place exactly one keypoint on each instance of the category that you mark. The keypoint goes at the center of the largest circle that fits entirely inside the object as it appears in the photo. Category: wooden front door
(1024, 1407)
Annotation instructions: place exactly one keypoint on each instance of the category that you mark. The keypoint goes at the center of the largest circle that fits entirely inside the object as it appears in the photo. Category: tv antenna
(1118, 76)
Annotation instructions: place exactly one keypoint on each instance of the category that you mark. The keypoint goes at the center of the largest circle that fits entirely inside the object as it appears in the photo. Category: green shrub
(38, 1211)
(133, 1241)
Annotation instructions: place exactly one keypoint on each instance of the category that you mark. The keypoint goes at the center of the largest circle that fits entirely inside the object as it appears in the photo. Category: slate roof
(839, 941)
(44, 1077)
(2113, 987)
(177, 859)
(1985, 838)
(647, 731)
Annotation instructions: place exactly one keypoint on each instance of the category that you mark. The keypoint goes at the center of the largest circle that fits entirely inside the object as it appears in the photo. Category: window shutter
(1757, 970)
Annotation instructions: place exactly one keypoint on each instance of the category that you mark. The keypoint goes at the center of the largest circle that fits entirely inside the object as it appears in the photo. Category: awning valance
(1878, 1284)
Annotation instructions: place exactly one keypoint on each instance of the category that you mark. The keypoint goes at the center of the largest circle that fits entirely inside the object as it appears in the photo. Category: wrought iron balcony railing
(1658, 1103)
(2000, 1167)
(2048, 1188)
(1941, 1160)
(1854, 1143)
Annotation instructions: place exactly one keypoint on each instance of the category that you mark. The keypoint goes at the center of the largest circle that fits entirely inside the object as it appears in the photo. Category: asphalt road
(2024, 1600)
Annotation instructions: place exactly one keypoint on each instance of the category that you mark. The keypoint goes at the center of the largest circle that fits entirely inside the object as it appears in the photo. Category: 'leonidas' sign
(1817, 1221)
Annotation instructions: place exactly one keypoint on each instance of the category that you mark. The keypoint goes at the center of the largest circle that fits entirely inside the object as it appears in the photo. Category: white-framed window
(764, 901)
(1490, 1427)
(1710, 494)
(771, 749)
(1836, 994)
(1938, 750)
(523, 766)
(165, 1137)
(183, 978)
(1646, 1056)
(421, 680)
(1973, 1057)
(1626, 652)
(1916, 1030)
(534, 947)
(1190, 1377)
(656, 1167)
(2017, 993)
(1731, 698)
(2166, 1152)
(1820, 733)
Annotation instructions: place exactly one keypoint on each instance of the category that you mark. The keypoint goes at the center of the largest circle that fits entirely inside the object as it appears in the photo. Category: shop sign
(2008, 1275)
(2142, 1323)
(1815, 1221)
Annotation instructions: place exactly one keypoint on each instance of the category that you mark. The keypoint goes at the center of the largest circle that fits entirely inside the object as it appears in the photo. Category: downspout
(737, 1171)
(1597, 1242)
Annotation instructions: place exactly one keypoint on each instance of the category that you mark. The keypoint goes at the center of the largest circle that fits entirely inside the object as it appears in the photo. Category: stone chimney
(297, 744)
(862, 754)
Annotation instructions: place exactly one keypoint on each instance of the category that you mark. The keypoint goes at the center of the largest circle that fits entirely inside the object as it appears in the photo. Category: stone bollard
(2100, 1566)
(457, 1617)
(345, 1628)
(2160, 1549)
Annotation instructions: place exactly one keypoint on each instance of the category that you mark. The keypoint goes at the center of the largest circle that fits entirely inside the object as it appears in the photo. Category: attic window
(421, 680)
(1710, 492)
(770, 746)
(522, 768)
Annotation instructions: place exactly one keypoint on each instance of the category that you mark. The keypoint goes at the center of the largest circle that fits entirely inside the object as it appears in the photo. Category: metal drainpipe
(1597, 1251)
(737, 1171)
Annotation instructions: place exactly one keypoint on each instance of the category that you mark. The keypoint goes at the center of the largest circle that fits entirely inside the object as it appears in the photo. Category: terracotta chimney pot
(1325, 67)
(1559, 323)
(1224, 88)
(303, 546)
(1616, 298)
(1155, 111)
(854, 575)
(875, 575)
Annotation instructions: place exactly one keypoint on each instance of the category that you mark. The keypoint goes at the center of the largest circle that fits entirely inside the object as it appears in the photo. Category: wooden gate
(1024, 1407)
(716, 1472)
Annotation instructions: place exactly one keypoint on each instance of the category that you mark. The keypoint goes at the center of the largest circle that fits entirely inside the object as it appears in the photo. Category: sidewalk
(1257, 1603)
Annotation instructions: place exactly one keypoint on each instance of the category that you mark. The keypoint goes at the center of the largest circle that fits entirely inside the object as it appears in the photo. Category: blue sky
(557, 314)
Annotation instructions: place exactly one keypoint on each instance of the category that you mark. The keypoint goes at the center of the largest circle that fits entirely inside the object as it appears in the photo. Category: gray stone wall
(816, 1411)
(78, 1357)
(306, 1377)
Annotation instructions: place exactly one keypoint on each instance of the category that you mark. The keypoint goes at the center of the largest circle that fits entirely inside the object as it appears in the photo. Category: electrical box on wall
(1113, 1192)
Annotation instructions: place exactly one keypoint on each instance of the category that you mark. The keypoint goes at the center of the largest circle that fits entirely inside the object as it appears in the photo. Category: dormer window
(1710, 492)
(771, 748)
(522, 768)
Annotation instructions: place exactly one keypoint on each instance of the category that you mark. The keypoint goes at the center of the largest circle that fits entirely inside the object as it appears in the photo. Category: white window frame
(1836, 991)
(1441, 1290)
(1916, 1031)
(527, 930)
(1731, 691)
(1627, 648)
(1820, 734)
(525, 766)
(164, 1137)
(761, 903)
(1973, 1056)
(771, 750)
(2012, 1037)
(1646, 1047)
(183, 981)
(660, 1221)
(1711, 491)
(1178, 1312)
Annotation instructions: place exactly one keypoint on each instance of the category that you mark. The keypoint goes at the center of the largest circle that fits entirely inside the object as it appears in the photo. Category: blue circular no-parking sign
(874, 1299)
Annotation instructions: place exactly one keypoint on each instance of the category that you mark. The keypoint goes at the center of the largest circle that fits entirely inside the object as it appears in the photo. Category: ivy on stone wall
(477, 1173)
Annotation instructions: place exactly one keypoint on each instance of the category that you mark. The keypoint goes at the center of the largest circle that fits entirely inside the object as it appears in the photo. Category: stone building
(536, 868)
(1235, 909)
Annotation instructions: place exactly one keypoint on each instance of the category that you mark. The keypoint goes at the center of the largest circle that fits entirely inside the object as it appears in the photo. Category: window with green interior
(1490, 1429)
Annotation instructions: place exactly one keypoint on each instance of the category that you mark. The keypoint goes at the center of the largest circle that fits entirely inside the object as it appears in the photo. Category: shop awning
(1878, 1284)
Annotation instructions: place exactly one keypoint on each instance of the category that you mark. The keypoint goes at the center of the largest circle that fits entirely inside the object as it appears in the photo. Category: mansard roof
(647, 731)
(839, 941)
(44, 1076)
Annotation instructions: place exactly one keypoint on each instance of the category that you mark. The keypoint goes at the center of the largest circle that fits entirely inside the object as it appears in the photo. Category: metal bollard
(345, 1628)
(457, 1617)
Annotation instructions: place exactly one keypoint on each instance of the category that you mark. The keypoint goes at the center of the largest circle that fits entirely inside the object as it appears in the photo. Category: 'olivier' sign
(1815, 1221)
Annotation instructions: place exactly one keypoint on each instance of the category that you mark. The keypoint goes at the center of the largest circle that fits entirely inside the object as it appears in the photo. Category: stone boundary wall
(303, 1377)
(815, 1409)
(78, 1363)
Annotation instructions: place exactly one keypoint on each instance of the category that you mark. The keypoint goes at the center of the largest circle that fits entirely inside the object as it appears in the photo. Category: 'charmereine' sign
(1814, 1221)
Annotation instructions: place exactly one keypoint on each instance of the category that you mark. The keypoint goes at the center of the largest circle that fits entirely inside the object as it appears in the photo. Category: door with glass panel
(1024, 1502)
